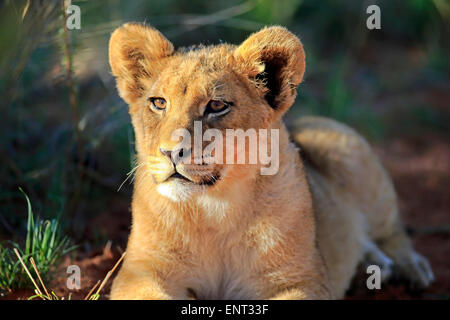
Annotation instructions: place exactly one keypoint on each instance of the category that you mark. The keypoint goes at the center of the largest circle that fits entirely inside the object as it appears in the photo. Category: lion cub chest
(218, 276)
(220, 268)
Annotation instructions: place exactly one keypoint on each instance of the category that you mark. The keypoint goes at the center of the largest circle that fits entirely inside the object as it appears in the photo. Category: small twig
(107, 249)
(190, 24)
(39, 276)
(92, 290)
(78, 185)
(12, 166)
(27, 271)
(107, 183)
(6, 225)
(108, 275)
(431, 230)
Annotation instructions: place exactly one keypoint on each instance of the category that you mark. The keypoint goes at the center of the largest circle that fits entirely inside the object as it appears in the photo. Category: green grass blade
(30, 223)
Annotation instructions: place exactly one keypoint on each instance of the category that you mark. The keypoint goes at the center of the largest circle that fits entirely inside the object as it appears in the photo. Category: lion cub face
(181, 101)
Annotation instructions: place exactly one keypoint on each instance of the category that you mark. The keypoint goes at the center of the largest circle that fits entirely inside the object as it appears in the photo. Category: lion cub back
(345, 159)
(354, 200)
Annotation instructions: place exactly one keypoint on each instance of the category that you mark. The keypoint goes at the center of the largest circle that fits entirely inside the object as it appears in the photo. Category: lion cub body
(248, 242)
(298, 234)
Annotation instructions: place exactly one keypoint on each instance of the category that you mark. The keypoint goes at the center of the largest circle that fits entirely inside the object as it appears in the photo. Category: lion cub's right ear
(136, 52)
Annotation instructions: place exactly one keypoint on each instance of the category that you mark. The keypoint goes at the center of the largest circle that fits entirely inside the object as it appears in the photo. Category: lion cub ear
(136, 52)
(274, 58)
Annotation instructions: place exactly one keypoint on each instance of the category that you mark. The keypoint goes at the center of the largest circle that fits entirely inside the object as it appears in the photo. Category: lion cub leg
(374, 256)
(136, 283)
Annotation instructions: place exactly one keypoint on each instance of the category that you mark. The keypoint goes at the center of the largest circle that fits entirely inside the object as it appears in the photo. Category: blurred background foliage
(66, 136)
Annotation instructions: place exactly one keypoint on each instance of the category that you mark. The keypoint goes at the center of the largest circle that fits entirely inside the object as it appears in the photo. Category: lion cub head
(201, 92)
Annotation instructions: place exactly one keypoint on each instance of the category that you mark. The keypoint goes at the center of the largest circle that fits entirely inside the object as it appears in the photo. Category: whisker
(130, 174)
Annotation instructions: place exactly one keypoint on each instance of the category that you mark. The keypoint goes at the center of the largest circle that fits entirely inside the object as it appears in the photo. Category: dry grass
(53, 296)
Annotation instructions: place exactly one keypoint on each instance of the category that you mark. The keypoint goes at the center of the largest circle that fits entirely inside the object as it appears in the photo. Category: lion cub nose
(176, 155)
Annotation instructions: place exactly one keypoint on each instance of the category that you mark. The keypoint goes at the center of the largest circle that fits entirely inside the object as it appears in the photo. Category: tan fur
(248, 236)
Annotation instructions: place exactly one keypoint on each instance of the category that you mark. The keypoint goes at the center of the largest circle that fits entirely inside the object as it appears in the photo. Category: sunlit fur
(247, 236)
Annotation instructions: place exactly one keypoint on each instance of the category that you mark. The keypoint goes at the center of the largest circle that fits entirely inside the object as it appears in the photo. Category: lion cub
(211, 230)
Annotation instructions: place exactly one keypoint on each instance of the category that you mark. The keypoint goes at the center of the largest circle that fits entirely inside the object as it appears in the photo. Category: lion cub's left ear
(274, 57)
(136, 53)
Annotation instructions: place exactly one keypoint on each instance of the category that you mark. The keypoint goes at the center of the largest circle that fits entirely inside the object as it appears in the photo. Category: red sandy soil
(420, 168)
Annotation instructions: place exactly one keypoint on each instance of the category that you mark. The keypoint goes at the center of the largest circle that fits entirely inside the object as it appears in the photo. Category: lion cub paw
(416, 269)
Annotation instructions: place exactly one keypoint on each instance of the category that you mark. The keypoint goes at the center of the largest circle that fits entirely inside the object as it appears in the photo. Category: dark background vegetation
(66, 137)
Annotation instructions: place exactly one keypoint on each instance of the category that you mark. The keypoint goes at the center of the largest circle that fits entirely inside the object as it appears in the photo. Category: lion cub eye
(217, 108)
(157, 104)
